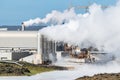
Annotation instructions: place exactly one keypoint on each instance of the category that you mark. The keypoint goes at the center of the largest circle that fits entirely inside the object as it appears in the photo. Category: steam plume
(97, 27)
(55, 17)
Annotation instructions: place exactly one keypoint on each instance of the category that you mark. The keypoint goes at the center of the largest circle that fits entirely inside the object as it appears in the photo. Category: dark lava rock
(112, 76)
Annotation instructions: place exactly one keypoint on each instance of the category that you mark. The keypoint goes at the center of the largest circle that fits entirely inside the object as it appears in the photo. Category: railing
(11, 62)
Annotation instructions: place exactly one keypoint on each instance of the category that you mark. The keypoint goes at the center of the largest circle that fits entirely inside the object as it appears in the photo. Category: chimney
(23, 27)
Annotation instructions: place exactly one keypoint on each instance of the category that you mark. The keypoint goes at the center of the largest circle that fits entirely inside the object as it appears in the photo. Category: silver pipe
(23, 27)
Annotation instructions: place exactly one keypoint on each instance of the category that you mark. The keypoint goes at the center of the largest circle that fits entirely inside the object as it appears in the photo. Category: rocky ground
(112, 76)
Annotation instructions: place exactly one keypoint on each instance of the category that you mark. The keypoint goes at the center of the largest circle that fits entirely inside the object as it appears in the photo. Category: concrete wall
(5, 55)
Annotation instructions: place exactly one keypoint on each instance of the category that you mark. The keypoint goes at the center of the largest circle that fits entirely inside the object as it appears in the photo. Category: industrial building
(23, 45)
(33, 47)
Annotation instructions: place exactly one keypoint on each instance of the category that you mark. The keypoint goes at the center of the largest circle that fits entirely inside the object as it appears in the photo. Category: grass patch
(34, 69)
(7, 69)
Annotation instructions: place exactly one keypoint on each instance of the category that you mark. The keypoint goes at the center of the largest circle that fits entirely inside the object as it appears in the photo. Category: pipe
(38, 57)
(38, 46)
(23, 27)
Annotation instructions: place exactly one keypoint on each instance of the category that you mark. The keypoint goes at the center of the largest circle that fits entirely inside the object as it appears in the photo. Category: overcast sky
(13, 12)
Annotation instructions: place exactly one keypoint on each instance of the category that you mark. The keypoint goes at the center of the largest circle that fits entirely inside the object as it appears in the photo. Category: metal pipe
(38, 58)
(23, 27)
(38, 46)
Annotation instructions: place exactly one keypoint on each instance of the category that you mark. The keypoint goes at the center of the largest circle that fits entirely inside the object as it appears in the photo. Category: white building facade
(23, 43)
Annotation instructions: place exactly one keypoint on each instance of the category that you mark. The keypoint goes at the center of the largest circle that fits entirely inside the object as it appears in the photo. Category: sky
(14, 12)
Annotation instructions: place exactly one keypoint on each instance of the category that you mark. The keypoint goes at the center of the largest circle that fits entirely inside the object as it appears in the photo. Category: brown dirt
(112, 76)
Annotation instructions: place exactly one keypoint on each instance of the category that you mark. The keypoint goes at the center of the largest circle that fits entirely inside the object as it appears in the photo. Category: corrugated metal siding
(21, 39)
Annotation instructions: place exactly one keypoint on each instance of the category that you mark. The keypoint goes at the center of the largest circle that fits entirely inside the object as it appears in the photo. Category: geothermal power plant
(30, 46)
(36, 48)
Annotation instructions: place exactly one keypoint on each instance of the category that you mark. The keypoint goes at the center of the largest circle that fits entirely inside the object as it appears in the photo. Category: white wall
(18, 39)
(8, 55)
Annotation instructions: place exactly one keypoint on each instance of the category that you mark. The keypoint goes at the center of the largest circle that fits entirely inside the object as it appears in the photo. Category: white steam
(98, 27)
(55, 17)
